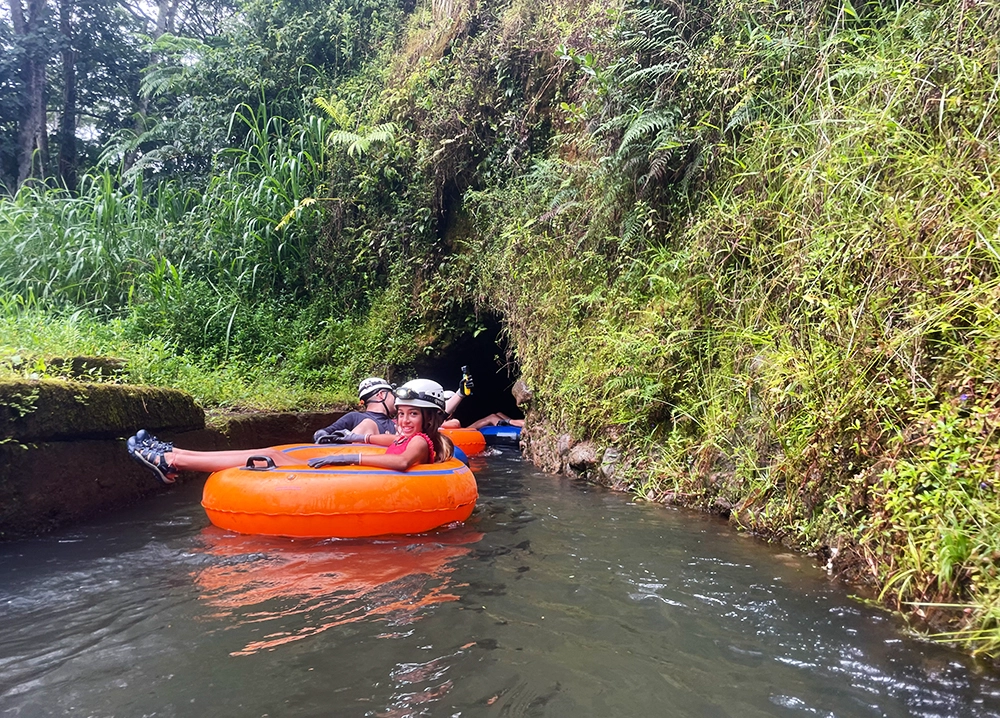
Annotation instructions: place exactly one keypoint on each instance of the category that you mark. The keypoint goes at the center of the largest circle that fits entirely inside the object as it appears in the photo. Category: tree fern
(336, 109)
(167, 74)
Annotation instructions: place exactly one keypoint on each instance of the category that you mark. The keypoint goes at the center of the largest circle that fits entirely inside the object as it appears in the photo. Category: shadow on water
(556, 598)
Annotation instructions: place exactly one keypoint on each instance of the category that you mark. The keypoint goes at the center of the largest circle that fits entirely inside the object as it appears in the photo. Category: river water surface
(555, 599)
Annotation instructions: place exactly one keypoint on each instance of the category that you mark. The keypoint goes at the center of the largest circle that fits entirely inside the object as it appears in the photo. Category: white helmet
(372, 385)
(422, 392)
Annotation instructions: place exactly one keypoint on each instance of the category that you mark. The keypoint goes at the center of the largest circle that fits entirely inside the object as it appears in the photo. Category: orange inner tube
(471, 441)
(338, 501)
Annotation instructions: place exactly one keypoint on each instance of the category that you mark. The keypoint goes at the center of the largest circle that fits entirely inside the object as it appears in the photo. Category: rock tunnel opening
(493, 368)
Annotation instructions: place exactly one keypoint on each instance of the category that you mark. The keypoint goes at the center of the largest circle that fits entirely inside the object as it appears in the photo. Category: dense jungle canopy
(750, 248)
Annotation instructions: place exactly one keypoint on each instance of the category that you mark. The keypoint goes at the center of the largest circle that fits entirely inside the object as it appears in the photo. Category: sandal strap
(156, 445)
(153, 452)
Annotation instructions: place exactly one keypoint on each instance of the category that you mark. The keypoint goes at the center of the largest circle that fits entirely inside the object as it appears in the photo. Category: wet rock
(609, 464)
(522, 393)
(722, 506)
(582, 457)
(540, 446)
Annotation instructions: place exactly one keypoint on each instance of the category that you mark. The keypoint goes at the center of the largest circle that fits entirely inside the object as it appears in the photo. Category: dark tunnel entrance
(493, 374)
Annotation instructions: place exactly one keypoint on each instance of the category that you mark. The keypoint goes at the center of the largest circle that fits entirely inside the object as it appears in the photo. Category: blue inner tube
(501, 435)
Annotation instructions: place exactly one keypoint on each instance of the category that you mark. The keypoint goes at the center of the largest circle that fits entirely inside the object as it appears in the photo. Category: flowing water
(555, 599)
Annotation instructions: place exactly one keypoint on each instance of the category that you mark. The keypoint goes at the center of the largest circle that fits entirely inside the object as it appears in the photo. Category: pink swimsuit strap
(399, 446)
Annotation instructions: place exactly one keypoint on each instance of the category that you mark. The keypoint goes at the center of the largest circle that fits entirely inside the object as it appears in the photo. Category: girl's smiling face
(409, 420)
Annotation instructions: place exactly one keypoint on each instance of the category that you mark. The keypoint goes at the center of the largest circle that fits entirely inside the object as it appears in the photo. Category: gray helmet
(422, 392)
(372, 385)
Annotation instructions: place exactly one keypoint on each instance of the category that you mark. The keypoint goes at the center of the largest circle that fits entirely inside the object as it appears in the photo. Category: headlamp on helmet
(423, 393)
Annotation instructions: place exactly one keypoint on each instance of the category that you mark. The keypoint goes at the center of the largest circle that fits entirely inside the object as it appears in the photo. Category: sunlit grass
(31, 337)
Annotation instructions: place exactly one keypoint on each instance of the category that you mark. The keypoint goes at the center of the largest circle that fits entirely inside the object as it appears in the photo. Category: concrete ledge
(64, 458)
(44, 486)
(251, 431)
(48, 409)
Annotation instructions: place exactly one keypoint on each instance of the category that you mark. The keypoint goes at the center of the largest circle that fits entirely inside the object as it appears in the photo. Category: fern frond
(655, 72)
(342, 137)
(336, 110)
(645, 125)
(744, 114)
(385, 132)
(634, 165)
(659, 165)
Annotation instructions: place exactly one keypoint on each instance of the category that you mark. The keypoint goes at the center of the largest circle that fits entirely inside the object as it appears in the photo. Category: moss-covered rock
(47, 410)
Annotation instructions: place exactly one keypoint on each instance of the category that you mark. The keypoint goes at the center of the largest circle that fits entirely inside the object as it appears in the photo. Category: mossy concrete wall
(52, 410)
(63, 457)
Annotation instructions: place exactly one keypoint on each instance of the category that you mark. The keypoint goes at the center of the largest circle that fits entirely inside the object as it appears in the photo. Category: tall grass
(109, 244)
(32, 333)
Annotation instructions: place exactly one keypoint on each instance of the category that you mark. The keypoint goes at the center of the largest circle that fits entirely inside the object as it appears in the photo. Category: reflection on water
(301, 589)
(556, 599)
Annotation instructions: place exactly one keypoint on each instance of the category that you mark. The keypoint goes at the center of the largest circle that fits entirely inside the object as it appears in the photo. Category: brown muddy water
(556, 599)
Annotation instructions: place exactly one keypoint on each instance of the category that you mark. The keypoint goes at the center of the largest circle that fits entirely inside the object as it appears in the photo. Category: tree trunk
(32, 138)
(67, 121)
(166, 13)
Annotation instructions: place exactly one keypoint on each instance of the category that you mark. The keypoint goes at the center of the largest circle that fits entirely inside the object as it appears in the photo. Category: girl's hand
(341, 436)
(335, 460)
(348, 437)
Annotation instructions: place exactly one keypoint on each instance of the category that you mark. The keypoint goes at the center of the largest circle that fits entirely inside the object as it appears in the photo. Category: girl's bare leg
(187, 460)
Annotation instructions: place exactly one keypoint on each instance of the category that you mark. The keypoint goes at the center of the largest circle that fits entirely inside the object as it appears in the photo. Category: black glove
(335, 460)
(318, 436)
(343, 436)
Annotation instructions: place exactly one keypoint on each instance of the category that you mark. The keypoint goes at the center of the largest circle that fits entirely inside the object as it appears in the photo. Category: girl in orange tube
(420, 409)
(420, 406)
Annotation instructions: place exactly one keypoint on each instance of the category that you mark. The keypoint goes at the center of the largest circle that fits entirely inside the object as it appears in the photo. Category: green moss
(50, 409)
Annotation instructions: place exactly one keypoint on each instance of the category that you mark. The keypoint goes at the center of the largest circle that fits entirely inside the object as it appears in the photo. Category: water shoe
(149, 451)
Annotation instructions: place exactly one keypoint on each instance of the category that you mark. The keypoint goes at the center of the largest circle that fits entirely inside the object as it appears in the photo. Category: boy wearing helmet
(376, 417)
(420, 409)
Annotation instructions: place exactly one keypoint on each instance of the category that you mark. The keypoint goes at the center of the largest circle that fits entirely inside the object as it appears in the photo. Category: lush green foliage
(32, 335)
(753, 246)
(214, 228)
(760, 256)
